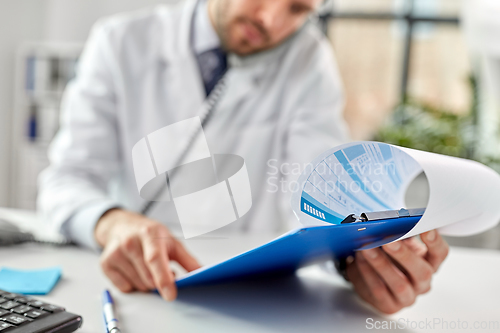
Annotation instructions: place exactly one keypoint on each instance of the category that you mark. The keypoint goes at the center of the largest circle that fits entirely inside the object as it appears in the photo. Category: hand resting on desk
(137, 251)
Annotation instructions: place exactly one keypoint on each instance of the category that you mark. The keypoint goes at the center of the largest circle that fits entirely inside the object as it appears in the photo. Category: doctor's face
(249, 26)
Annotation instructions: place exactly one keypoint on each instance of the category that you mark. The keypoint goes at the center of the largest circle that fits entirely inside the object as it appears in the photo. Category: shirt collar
(204, 36)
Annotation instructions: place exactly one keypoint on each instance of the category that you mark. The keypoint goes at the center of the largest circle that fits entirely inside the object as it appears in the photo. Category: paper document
(364, 177)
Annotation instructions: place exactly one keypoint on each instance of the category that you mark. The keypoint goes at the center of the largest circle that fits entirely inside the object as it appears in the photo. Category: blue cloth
(29, 282)
(213, 65)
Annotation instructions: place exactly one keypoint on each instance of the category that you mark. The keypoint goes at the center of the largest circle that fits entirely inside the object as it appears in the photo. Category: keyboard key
(21, 309)
(52, 308)
(3, 300)
(2, 292)
(4, 326)
(36, 314)
(36, 304)
(10, 295)
(2, 312)
(24, 300)
(16, 319)
(9, 305)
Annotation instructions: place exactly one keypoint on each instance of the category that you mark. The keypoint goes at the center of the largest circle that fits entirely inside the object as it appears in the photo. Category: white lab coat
(138, 74)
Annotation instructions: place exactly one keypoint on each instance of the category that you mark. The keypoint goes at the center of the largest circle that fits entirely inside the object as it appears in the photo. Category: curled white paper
(362, 177)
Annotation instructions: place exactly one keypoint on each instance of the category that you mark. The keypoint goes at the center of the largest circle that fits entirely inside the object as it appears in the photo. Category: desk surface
(465, 290)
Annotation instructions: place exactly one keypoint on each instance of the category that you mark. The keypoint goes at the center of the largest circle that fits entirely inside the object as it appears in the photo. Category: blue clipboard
(301, 247)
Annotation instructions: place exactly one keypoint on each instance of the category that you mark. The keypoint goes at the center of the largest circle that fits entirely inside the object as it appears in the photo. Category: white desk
(467, 288)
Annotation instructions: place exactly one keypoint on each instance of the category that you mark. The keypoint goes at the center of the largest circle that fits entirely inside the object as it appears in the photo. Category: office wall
(20, 20)
(71, 20)
(43, 20)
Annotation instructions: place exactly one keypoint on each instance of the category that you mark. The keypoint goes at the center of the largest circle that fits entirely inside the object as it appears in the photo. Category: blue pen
(108, 310)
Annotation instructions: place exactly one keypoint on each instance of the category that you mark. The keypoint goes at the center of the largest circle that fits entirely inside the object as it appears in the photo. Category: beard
(224, 25)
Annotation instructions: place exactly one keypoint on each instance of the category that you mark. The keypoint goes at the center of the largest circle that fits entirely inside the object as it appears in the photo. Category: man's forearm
(104, 226)
(80, 226)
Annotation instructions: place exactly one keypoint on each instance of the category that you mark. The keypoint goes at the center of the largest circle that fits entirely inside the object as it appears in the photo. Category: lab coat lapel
(179, 57)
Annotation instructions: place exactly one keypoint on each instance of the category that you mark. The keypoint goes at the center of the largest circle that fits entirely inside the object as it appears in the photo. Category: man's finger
(437, 248)
(111, 260)
(359, 283)
(119, 280)
(128, 272)
(157, 260)
(183, 257)
(397, 282)
(133, 250)
(382, 298)
(419, 270)
(416, 245)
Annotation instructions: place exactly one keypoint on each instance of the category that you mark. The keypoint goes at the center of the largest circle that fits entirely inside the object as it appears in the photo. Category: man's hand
(137, 252)
(390, 278)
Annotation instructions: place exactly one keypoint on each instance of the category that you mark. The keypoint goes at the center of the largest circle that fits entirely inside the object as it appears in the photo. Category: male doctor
(283, 103)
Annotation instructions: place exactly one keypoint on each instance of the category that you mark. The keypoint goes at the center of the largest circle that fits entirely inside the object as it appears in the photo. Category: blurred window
(389, 50)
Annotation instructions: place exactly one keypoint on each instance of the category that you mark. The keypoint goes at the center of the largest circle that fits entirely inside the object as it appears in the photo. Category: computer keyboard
(23, 314)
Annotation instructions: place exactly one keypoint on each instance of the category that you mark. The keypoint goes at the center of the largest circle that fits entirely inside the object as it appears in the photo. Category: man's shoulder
(310, 48)
(311, 42)
(310, 61)
(311, 34)
(142, 17)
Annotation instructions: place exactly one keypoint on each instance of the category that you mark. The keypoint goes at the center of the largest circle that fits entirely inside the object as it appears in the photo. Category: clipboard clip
(341, 263)
(383, 215)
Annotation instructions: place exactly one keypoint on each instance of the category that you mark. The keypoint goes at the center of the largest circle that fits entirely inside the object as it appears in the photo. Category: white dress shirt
(204, 36)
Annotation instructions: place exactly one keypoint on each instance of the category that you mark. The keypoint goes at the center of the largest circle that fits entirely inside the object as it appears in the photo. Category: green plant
(424, 127)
